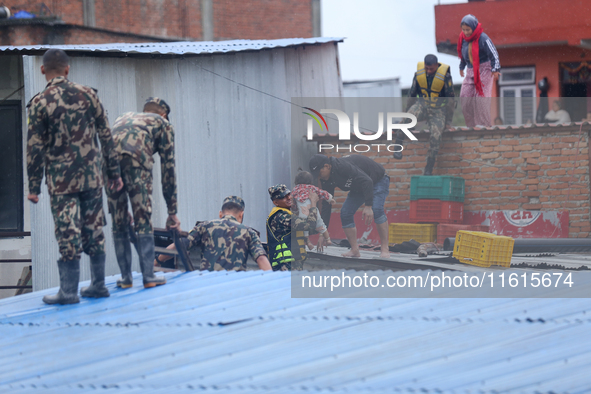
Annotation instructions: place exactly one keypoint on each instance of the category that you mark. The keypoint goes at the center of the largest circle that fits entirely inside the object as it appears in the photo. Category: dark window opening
(11, 167)
(575, 79)
(573, 101)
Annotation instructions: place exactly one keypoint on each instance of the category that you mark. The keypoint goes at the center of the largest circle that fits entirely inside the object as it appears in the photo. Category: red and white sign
(516, 224)
(522, 224)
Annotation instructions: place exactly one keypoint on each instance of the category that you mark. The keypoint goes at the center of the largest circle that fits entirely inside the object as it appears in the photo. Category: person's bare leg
(351, 234)
(383, 233)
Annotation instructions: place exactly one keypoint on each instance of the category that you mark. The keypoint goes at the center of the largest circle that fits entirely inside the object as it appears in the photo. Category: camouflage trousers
(435, 117)
(79, 219)
(137, 186)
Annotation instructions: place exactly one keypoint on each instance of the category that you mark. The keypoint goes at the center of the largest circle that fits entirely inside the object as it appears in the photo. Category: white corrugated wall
(230, 139)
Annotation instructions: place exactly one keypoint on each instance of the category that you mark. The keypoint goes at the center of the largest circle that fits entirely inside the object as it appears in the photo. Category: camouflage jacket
(281, 222)
(141, 135)
(226, 244)
(64, 122)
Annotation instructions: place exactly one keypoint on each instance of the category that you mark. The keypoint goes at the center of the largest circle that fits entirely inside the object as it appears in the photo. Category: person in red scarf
(477, 52)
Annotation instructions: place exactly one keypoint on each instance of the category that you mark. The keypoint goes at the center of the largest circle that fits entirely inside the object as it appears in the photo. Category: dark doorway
(575, 101)
(11, 165)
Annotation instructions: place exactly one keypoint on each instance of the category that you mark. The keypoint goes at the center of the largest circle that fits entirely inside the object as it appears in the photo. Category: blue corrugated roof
(230, 332)
(178, 48)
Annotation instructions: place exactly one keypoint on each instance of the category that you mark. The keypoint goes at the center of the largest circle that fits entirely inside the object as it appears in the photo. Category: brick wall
(171, 18)
(20, 35)
(61, 34)
(254, 19)
(75, 35)
(262, 19)
(529, 169)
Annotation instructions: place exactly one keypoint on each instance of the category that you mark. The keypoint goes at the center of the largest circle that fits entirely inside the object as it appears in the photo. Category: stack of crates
(437, 199)
(483, 249)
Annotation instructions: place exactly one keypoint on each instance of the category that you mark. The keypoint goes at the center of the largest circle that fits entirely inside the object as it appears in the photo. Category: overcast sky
(384, 38)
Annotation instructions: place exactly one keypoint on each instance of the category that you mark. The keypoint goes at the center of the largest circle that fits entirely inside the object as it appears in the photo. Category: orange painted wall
(540, 33)
(546, 60)
(511, 22)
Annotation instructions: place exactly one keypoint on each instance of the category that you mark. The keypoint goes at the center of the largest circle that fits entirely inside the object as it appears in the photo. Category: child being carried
(300, 193)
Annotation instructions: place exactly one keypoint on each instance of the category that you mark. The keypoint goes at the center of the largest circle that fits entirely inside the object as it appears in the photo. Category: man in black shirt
(367, 183)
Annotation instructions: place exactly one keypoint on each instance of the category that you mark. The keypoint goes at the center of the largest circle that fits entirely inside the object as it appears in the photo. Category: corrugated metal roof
(176, 48)
(231, 332)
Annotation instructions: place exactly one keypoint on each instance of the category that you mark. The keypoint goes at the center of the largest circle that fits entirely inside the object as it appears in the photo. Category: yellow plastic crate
(401, 232)
(483, 249)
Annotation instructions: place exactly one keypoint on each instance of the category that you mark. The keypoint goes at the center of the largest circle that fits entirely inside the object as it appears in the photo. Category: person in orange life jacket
(367, 184)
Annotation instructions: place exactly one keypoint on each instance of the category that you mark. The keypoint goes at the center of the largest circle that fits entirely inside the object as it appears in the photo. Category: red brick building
(103, 21)
(535, 39)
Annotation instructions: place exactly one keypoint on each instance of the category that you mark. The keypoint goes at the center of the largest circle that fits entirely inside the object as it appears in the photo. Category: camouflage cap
(278, 191)
(160, 102)
(234, 199)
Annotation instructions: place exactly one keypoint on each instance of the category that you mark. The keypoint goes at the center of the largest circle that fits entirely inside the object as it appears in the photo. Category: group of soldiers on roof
(66, 121)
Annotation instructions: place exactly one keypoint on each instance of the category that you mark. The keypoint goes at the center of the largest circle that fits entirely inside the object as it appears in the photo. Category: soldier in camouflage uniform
(64, 122)
(138, 136)
(226, 242)
(431, 98)
(285, 230)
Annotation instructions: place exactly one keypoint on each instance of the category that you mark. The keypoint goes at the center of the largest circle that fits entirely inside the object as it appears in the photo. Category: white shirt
(560, 116)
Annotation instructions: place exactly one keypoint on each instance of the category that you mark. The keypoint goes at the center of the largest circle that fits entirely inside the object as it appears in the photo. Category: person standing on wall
(478, 53)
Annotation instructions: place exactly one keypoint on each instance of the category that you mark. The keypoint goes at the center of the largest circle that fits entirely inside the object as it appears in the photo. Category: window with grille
(518, 95)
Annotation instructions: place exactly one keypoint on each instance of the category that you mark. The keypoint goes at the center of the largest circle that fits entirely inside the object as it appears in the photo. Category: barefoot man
(367, 183)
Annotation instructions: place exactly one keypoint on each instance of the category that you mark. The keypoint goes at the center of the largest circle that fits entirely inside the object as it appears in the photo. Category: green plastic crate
(445, 188)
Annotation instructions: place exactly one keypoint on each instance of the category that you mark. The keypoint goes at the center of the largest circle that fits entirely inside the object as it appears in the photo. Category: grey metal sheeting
(178, 48)
(241, 332)
(231, 137)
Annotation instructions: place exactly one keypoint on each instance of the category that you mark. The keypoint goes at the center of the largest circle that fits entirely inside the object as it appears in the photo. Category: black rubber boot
(429, 166)
(146, 252)
(69, 276)
(97, 287)
(123, 253)
(398, 155)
